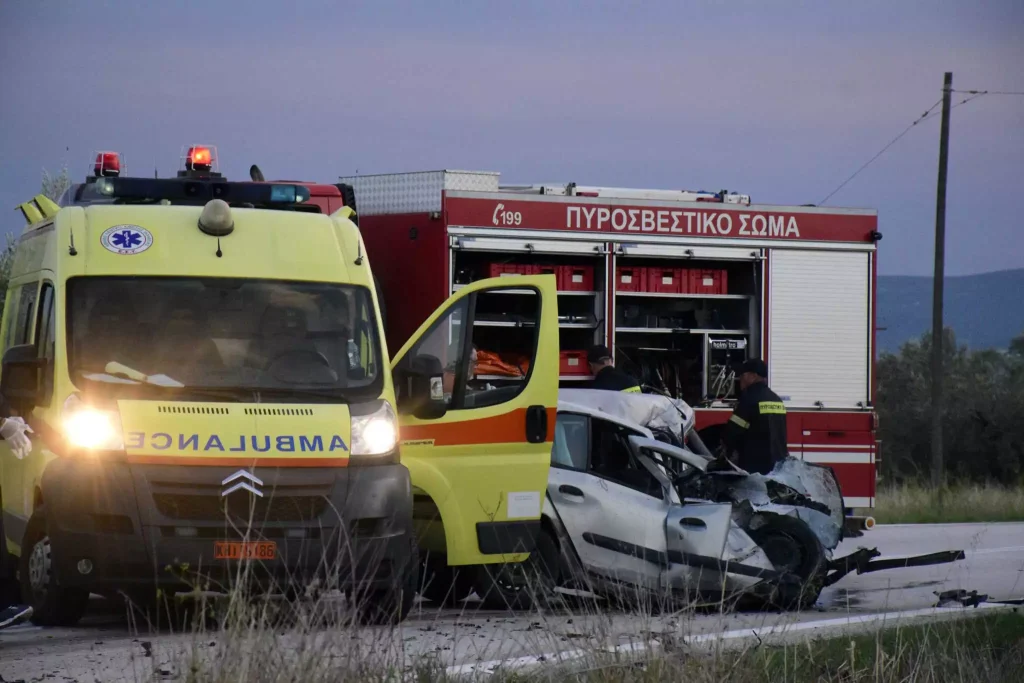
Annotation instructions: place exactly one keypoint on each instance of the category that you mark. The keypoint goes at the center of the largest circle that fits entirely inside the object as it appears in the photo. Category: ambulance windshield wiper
(283, 392)
(118, 373)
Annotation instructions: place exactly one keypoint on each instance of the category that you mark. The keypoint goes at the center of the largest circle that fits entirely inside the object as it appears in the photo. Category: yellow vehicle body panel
(475, 463)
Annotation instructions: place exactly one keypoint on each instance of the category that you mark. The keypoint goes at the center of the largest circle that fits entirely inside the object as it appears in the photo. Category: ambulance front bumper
(113, 525)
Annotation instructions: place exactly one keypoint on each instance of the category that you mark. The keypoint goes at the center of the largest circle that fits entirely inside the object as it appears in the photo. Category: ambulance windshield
(282, 338)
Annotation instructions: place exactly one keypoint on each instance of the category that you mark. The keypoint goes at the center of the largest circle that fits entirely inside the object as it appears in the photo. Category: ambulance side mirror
(21, 376)
(420, 385)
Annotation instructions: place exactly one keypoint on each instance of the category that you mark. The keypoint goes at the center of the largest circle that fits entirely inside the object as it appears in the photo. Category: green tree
(54, 186)
(983, 435)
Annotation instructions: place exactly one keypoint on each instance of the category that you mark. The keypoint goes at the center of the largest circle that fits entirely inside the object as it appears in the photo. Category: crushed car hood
(800, 489)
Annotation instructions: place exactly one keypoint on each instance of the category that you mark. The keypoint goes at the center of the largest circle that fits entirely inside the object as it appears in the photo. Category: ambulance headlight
(375, 433)
(91, 428)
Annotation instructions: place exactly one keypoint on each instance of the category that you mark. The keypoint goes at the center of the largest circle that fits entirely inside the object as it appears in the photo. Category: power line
(928, 115)
(963, 101)
(990, 92)
(892, 142)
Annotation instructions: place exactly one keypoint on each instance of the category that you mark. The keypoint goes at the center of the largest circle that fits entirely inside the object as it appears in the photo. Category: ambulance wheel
(443, 584)
(520, 585)
(52, 604)
(795, 551)
(390, 606)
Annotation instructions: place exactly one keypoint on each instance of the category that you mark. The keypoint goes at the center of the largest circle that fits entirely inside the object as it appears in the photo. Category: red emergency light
(108, 164)
(199, 158)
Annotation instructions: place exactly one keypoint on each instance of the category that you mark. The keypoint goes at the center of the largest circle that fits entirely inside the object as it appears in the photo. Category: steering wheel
(311, 357)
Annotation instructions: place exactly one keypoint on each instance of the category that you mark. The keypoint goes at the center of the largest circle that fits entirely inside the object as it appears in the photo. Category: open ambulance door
(477, 391)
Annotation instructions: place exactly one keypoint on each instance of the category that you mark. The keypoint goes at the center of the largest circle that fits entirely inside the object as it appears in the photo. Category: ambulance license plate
(247, 550)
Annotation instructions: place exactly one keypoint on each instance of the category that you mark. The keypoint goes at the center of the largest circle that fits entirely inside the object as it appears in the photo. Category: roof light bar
(187, 191)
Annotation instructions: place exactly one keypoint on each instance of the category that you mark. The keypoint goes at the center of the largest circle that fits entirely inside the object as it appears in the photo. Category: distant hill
(985, 311)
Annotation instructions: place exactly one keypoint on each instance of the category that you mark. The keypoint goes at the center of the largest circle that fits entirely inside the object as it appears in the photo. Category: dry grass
(916, 504)
(267, 640)
(979, 650)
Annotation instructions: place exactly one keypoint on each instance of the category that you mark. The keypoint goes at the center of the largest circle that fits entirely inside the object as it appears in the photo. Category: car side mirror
(20, 378)
(422, 388)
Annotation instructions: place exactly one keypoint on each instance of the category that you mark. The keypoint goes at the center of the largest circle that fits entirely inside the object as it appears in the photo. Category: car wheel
(52, 604)
(391, 605)
(520, 585)
(794, 550)
(443, 584)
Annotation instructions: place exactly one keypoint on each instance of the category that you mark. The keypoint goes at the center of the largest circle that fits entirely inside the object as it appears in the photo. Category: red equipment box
(576, 278)
(630, 279)
(506, 269)
(573, 363)
(550, 270)
(665, 280)
(708, 281)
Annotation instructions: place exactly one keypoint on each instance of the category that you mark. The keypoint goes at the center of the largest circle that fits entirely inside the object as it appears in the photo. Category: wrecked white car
(631, 505)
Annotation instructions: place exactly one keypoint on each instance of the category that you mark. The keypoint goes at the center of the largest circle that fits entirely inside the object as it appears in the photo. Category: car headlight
(375, 433)
(91, 428)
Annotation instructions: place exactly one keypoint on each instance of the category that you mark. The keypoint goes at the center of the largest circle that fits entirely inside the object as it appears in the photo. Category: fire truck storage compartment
(579, 269)
(682, 320)
(504, 331)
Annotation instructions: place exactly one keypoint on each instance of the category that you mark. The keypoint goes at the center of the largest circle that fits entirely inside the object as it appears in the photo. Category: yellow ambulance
(202, 367)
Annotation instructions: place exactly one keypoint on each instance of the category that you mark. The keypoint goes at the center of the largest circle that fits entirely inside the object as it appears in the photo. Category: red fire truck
(681, 285)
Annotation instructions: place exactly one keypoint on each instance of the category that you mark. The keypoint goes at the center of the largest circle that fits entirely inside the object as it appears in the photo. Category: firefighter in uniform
(755, 436)
(606, 375)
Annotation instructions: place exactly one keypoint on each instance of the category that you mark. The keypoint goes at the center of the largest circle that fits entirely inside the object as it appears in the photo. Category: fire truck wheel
(794, 550)
(520, 585)
(52, 604)
(390, 606)
(443, 584)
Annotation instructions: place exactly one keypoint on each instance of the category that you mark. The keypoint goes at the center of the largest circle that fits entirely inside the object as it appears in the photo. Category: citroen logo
(244, 481)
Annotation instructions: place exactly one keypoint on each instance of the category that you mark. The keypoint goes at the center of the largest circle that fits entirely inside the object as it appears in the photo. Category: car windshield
(223, 334)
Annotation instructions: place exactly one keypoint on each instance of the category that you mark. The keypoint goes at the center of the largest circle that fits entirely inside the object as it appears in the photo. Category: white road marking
(566, 656)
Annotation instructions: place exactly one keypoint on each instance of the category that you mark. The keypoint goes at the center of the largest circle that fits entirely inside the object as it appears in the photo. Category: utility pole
(940, 268)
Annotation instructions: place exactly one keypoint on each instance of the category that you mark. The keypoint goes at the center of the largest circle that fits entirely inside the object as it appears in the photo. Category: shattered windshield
(219, 333)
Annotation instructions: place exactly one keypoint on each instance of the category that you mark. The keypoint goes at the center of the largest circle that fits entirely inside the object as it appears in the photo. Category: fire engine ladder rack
(707, 322)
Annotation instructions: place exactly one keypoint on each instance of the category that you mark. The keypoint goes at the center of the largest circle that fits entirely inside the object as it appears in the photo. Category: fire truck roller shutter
(819, 328)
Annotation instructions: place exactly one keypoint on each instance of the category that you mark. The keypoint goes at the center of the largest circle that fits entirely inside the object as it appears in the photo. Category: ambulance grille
(279, 411)
(237, 509)
(191, 410)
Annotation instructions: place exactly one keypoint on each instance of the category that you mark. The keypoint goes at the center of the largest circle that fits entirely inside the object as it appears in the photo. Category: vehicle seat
(184, 343)
(283, 330)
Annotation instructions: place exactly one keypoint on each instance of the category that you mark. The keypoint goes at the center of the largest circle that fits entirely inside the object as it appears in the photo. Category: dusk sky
(779, 100)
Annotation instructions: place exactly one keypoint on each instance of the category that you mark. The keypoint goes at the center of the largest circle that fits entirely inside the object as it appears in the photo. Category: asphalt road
(106, 646)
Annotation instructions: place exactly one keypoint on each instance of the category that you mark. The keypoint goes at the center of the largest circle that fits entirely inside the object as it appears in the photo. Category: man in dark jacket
(606, 375)
(755, 436)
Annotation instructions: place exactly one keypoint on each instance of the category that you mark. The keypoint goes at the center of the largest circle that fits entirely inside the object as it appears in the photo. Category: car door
(612, 508)
(479, 456)
(696, 532)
